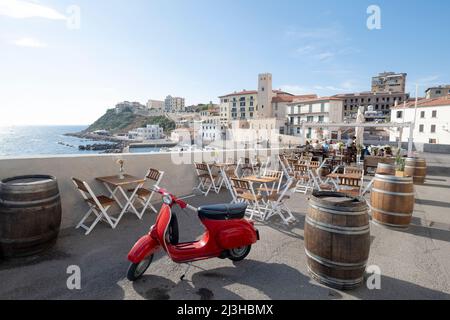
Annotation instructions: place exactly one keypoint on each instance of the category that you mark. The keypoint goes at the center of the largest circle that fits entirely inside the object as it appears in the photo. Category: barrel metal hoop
(395, 226)
(393, 193)
(30, 203)
(334, 281)
(399, 214)
(409, 181)
(334, 264)
(336, 229)
(42, 236)
(345, 213)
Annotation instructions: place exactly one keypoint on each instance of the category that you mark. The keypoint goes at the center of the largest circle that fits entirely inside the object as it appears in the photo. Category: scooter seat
(222, 211)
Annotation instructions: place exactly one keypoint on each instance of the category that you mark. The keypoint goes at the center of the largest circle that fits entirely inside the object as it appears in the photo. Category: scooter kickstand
(186, 271)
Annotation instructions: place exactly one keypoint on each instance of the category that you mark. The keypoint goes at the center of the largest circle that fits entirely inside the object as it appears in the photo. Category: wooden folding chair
(277, 202)
(206, 178)
(303, 179)
(143, 195)
(275, 185)
(245, 193)
(98, 205)
(318, 183)
(228, 174)
(354, 170)
(351, 186)
(287, 170)
(246, 167)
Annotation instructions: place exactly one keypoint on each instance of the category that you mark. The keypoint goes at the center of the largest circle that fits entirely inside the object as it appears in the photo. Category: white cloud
(323, 56)
(29, 42)
(21, 9)
(305, 49)
(321, 90)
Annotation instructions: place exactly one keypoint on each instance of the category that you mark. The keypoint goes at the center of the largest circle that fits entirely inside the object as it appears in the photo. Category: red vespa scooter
(227, 235)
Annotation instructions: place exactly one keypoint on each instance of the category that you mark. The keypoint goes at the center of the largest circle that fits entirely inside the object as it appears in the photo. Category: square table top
(116, 181)
(261, 179)
(220, 165)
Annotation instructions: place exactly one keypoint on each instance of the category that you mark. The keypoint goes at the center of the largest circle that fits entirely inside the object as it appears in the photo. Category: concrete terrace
(415, 263)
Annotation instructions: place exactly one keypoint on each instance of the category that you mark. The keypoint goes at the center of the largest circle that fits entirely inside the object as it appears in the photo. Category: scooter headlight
(167, 199)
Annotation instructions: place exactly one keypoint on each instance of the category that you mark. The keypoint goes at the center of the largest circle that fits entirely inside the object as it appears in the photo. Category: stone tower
(265, 95)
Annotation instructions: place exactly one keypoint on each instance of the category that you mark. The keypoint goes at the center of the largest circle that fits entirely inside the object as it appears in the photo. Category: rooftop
(414, 263)
(435, 102)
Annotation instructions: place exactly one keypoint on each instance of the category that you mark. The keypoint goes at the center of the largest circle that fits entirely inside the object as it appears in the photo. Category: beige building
(389, 82)
(155, 104)
(319, 110)
(174, 104)
(436, 92)
(253, 104)
(382, 102)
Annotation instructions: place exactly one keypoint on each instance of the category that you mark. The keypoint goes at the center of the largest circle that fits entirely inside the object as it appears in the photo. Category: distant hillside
(126, 121)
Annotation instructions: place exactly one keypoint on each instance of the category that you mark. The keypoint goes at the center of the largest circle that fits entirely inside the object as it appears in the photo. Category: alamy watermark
(73, 18)
(374, 19)
(373, 281)
(74, 280)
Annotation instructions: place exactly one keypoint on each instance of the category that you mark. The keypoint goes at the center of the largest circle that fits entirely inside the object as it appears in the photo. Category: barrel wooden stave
(30, 216)
(335, 256)
(385, 168)
(392, 200)
(416, 168)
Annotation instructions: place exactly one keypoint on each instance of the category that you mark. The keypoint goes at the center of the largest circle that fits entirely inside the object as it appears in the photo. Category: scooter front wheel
(238, 254)
(136, 270)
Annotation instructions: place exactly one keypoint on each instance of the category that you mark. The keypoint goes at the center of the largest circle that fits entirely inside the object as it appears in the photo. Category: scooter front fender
(145, 247)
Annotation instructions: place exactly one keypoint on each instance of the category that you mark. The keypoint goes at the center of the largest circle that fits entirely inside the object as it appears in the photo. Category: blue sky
(200, 49)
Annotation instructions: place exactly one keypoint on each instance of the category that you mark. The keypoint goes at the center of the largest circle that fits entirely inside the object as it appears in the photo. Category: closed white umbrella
(360, 130)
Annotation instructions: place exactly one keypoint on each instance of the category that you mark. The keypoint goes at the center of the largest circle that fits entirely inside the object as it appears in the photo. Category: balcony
(414, 262)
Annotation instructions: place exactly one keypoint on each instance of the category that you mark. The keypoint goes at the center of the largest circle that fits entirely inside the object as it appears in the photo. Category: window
(309, 118)
(322, 107)
(399, 114)
(434, 114)
(438, 91)
(321, 118)
(422, 114)
(251, 103)
(310, 108)
(434, 141)
(262, 88)
(433, 128)
(298, 130)
(421, 128)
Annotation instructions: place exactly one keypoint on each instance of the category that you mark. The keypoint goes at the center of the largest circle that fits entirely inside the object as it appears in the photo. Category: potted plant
(399, 165)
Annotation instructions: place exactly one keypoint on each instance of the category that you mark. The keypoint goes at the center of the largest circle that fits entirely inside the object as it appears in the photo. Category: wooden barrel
(416, 168)
(30, 215)
(385, 168)
(337, 239)
(392, 200)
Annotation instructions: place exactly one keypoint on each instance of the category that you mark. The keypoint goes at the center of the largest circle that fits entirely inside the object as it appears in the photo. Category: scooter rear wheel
(238, 254)
(136, 270)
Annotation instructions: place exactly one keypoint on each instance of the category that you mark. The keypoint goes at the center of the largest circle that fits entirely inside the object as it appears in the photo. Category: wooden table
(261, 179)
(114, 184)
